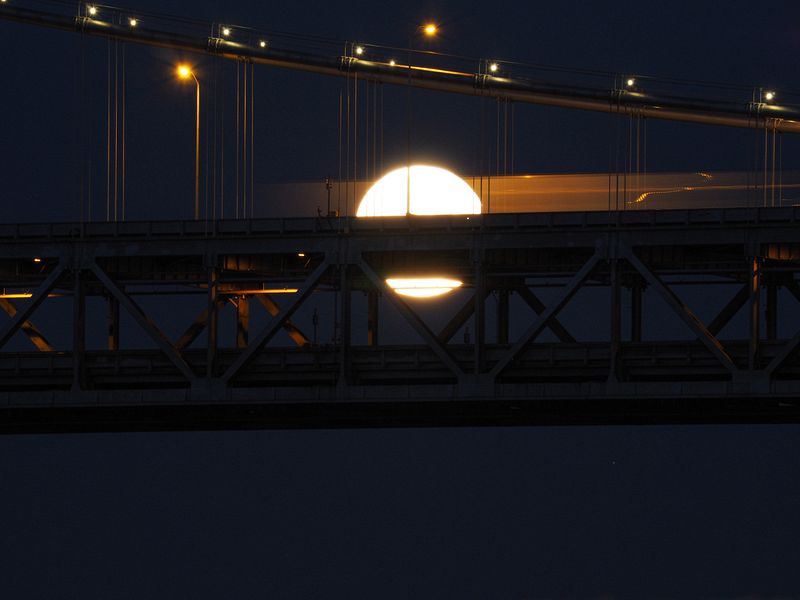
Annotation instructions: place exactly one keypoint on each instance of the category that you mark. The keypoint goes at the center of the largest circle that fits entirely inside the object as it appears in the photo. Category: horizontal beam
(713, 112)
(420, 413)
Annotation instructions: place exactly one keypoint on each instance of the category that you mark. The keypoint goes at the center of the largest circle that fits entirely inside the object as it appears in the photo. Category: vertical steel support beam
(372, 318)
(755, 313)
(615, 320)
(242, 321)
(636, 312)
(112, 323)
(213, 322)
(78, 330)
(480, 316)
(345, 297)
(772, 311)
(502, 316)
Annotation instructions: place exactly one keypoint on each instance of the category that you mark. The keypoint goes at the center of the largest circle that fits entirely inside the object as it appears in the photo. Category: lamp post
(428, 30)
(185, 72)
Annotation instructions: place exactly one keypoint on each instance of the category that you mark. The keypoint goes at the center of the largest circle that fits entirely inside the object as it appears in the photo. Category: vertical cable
(214, 117)
(780, 169)
(366, 129)
(207, 112)
(347, 152)
(355, 140)
(244, 141)
(238, 104)
(83, 123)
(252, 138)
(513, 138)
(222, 145)
(774, 141)
(108, 133)
(124, 107)
(766, 157)
(116, 128)
(481, 145)
(505, 138)
(339, 187)
(637, 192)
(644, 152)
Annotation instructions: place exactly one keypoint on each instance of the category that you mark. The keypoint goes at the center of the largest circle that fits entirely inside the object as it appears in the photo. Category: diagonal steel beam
(729, 310)
(277, 321)
(683, 311)
(539, 324)
(298, 337)
(794, 288)
(538, 306)
(195, 329)
(144, 322)
(412, 318)
(785, 352)
(458, 320)
(36, 299)
(36, 337)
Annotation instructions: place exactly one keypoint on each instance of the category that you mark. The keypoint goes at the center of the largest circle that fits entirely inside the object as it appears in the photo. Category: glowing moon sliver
(434, 191)
(423, 287)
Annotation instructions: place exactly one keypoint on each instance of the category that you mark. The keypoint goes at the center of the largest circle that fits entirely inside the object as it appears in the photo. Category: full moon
(434, 191)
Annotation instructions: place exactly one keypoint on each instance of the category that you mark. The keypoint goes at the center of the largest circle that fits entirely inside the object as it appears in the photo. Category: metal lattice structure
(510, 374)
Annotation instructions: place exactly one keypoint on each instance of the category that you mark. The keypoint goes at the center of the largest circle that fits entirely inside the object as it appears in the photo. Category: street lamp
(185, 72)
(429, 30)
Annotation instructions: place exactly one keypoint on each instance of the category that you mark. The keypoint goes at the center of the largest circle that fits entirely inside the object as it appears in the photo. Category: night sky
(623, 512)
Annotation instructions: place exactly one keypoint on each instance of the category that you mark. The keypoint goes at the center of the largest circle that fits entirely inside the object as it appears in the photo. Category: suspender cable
(244, 139)
(108, 132)
(124, 107)
(238, 105)
(252, 138)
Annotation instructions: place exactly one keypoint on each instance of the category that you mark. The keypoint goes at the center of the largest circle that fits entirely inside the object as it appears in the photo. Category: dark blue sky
(59, 121)
(699, 512)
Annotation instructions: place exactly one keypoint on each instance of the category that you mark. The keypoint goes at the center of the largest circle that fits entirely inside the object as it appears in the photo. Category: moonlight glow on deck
(434, 191)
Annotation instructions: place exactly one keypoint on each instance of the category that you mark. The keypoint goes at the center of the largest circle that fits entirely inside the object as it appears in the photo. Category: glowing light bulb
(493, 67)
(631, 82)
(184, 72)
(359, 50)
(226, 31)
(430, 29)
(769, 96)
(392, 63)
(92, 10)
(133, 22)
(262, 44)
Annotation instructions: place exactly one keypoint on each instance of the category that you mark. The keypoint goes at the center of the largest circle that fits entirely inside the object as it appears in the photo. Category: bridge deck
(149, 325)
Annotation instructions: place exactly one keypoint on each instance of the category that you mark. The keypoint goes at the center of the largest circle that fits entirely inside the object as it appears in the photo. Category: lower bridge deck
(645, 317)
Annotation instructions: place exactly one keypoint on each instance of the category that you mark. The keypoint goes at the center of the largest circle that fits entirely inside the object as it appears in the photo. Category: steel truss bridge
(506, 375)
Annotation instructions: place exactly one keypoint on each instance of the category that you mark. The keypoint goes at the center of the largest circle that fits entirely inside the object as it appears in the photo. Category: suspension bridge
(657, 298)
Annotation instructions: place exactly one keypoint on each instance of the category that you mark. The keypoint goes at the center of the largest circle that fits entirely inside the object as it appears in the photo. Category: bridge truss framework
(506, 376)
